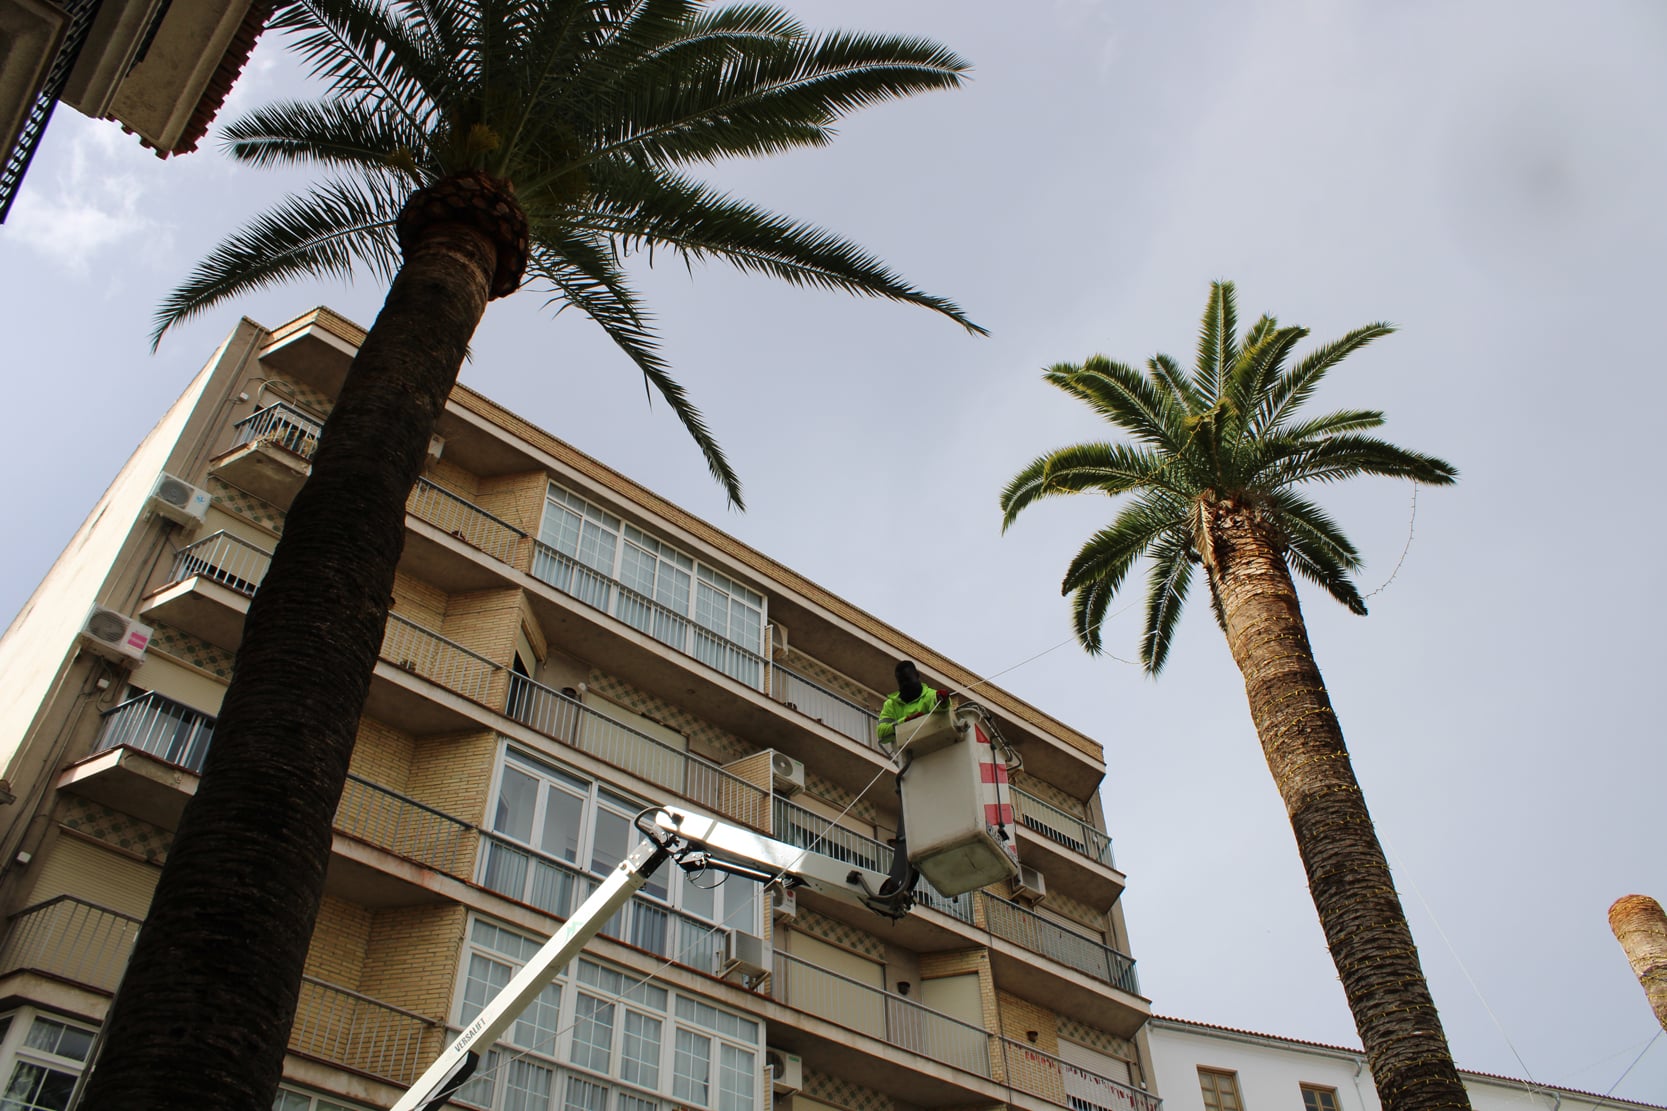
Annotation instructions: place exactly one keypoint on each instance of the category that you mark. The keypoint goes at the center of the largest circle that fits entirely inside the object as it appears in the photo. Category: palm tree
(1212, 475)
(476, 144)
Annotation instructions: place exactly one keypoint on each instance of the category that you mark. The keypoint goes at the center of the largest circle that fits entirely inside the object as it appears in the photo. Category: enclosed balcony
(271, 452)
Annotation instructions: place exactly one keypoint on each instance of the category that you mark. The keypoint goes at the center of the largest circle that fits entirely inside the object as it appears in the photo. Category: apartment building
(565, 649)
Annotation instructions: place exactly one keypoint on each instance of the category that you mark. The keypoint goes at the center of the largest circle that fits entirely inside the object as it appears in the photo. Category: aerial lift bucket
(957, 805)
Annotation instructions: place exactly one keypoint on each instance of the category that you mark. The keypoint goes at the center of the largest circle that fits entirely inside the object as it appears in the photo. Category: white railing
(283, 425)
(565, 719)
(160, 727)
(1075, 833)
(408, 645)
(72, 940)
(465, 520)
(816, 701)
(228, 560)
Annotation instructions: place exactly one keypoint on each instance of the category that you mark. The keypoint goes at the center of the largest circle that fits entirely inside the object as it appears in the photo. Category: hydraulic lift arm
(695, 842)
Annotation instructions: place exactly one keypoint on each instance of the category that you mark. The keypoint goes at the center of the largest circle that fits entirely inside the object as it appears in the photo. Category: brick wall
(411, 957)
(383, 755)
(337, 954)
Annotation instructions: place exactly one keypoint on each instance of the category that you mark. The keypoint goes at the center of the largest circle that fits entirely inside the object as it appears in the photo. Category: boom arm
(695, 841)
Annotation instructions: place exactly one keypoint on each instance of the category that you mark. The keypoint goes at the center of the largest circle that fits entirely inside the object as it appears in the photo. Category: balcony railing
(283, 425)
(72, 940)
(229, 560)
(565, 719)
(816, 701)
(410, 646)
(406, 827)
(675, 630)
(1031, 931)
(1058, 1081)
(362, 1033)
(1062, 828)
(465, 520)
(159, 726)
(890, 1018)
(557, 888)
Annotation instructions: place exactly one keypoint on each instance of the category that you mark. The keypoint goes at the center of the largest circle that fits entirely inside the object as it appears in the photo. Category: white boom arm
(695, 841)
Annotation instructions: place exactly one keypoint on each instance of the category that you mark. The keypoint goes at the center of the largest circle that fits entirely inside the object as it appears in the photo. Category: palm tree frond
(316, 235)
(1217, 341)
(335, 133)
(1166, 596)
(1104, 467)
(1292, 389)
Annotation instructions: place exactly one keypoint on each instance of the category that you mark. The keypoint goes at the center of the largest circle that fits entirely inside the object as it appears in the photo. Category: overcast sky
(1487, 176)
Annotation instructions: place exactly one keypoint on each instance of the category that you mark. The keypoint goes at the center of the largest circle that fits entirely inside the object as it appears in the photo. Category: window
(604, 1040)
(565, 819)
(651, 586)
(46, 1055)
(1221, 1089)
(294, 1099)
(1316, 1098)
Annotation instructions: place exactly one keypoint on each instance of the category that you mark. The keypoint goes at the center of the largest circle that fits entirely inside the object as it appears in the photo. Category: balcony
(835, 711)
(270, 454)
(439, 561)
(1074, 855)
(209, 587)
(81, 943)
(880, 1014)
(1059, 1082)
(1081, 976)
(706, 785)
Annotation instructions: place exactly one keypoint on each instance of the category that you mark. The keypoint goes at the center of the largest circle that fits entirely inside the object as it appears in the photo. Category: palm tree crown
(587, 113)
(1230, 430)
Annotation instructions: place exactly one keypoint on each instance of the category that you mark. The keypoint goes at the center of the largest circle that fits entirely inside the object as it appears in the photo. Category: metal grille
(81, 13)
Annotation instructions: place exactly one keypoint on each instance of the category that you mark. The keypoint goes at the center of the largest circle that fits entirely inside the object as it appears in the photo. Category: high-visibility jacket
(896, 711)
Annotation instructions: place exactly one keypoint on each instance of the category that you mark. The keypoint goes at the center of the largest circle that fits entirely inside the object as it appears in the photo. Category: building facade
(565, 649)
(1214, 1068)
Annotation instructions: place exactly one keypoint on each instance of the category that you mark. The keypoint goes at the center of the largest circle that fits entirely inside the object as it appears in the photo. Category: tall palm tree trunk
(205, 1008)
(1348, 876)
(1641, 928)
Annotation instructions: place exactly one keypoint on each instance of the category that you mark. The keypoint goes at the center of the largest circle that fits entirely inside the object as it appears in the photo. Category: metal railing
(675, 630)
(72, 940)
(1058, 1081)
(229, 560)
(282, 425)
(465, 520)
(816, 701)
(362, 1033)
(1031, 931)
(565, 719)
(1062, 828)
(160, 727)
(406, 827)
(557, 888)
(804, 829)
(879, 1014)
(409, 645)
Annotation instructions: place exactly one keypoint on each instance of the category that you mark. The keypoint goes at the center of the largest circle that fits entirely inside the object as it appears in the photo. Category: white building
(1201, 1067)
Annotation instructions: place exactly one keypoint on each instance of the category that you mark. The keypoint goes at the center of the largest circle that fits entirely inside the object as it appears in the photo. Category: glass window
(1221, 1089)
(46, 1065)
(593, 1033)
(1316, 1098)
(692, 1068)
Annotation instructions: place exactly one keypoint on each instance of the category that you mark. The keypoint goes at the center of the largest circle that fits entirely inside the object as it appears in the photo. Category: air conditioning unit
(787, 775)
(1029, 886)
(784, 903)
(787, 1071)
(115, 636)
(741, 955)
(179, 501)
(436, 447)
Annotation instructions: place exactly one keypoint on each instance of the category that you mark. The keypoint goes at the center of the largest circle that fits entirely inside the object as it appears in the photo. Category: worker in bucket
(911, 699)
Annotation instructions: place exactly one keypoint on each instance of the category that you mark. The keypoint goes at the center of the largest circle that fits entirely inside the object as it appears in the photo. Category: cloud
(86, 197)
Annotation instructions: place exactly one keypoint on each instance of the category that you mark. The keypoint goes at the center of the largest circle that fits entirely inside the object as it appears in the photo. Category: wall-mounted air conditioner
(115, 636)
(787, 1071)
(179, 501)
(741, 955)
(784, 903)
(787, 775)
(1029, 886)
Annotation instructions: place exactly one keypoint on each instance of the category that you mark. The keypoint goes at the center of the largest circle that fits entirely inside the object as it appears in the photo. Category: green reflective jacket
(896, 710)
